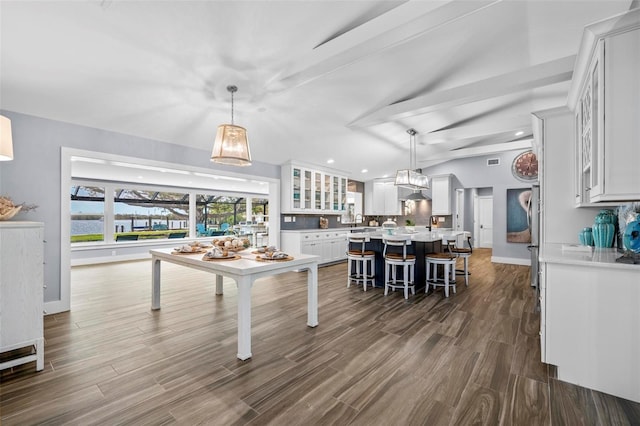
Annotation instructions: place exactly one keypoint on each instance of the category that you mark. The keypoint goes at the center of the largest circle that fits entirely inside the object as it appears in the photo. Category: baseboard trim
(55, 307)
(109, 259)
(511, 260)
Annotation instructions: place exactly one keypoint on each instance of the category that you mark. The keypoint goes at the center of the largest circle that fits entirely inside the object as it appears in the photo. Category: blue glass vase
(606, 216)
(586, 237)
(603, 234)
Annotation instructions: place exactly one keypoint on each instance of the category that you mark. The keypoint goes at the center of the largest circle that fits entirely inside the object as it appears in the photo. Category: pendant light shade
(410, 178)
(231, 146)
(6, 141)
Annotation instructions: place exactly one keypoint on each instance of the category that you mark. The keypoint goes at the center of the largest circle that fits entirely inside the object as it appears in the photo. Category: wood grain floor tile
(479, 406)
(493, 368)
(526, 402)
(472, 358)
(526, 361)
(616, 411)
(573, 405)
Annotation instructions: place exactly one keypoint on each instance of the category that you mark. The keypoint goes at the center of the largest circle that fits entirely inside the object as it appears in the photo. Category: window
(148, 214)
(87, 213)
(144, 213)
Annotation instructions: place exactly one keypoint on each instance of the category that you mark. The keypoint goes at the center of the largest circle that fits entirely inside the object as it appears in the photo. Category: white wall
(474, 173)
(35, 173)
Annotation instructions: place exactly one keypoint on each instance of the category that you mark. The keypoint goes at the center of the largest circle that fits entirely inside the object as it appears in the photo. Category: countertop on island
(377, 232)
(595, 257)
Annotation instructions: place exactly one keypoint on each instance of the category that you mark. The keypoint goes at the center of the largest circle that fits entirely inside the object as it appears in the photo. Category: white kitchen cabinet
(589, 325)
(560, 221)
(605, 100)
(21, 291)
(382, 198)
(329, 245)
(306, 189)
(441, 195)
(337, 243)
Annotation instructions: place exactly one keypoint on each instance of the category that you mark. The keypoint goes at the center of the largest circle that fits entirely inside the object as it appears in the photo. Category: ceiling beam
(494, 127)
(477, 151)
(400, 25)
(540, 75)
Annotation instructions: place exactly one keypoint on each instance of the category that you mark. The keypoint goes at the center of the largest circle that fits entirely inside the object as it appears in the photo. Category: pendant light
(410, 178)
(231, 146)
(6, 141)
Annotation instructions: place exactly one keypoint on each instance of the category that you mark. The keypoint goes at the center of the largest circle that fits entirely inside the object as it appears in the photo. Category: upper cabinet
(441, 195)
(605, 100)
(306, 189)
(381, 198)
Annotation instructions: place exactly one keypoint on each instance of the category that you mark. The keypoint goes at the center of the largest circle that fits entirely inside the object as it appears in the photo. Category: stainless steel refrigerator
(534, 226)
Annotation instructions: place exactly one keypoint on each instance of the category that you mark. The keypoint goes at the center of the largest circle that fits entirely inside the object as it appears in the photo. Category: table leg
(312, 295)
(155, 283)
(244, 317)
(219, 290)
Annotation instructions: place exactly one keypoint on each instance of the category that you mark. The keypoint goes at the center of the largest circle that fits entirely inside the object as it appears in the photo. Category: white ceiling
(317, 79)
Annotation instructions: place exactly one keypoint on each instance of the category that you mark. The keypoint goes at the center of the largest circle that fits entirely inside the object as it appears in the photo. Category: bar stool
(463, 253)
(448, 261)
(364, 260)
(393, 259)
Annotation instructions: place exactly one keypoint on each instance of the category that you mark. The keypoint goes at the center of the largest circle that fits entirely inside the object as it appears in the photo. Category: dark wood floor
(373, 360)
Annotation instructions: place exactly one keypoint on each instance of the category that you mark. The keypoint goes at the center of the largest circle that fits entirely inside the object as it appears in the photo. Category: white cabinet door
(312, 247)
(338, 247)
(619, 176)
(381, 198)
(441, 195)
(391, 201)
(592, 316)
(21, 292)
(605, 99)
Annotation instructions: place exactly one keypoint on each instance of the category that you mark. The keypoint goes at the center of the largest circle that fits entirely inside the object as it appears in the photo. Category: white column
(249, 209)
(192, 215)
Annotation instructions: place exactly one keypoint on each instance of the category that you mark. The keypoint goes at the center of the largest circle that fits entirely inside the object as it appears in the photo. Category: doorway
(484, 221)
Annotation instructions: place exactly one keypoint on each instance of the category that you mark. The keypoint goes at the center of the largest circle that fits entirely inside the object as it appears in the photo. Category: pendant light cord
(232, 90)
(412, 148)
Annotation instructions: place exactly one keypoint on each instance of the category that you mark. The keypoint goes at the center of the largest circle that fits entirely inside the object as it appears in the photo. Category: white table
(244, 272)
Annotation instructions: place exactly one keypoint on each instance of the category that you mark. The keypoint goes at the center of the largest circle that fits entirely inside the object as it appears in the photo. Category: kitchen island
(422, 243)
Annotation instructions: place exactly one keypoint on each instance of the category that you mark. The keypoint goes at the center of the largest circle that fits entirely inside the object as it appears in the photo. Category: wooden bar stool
(364, 261)
(448, 261)
(463, 253)
(398, 257)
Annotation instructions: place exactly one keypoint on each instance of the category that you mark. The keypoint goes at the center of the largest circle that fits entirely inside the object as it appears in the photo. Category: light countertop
(572, 254)
(418, 236)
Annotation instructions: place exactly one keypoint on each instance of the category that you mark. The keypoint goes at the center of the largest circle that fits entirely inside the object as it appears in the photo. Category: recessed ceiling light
(385, 176)
(330, 161)
(520, 133)
(140, 177)
(364, 171)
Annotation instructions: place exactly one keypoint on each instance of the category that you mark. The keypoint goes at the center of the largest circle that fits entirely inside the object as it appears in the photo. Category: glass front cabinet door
(304, 189)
